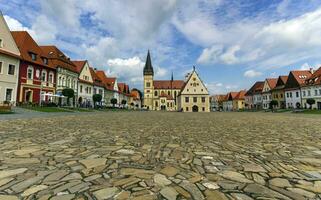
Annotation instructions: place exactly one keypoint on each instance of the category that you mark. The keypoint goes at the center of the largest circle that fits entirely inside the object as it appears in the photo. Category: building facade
(194, 96)
(85, 86)
(9, 65)
(253, 97)
(311, 89)
(216, 102)
(98, 86)
(269, 84)
(66, 74)
(296, 79)
(160, 94)
(36, 78)
(278, 93)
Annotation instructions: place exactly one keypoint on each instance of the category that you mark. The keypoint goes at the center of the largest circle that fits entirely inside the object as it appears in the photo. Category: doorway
(195, 108)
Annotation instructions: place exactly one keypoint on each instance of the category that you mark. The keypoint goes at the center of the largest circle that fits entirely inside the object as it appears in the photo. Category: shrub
(310, 102)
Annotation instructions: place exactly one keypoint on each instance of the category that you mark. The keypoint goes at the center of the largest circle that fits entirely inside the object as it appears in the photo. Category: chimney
(311, 70)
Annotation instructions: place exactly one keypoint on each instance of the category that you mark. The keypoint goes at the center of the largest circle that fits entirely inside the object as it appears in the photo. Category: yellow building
(172, 95)
(194, 96)
(278, 93)
(159, 94)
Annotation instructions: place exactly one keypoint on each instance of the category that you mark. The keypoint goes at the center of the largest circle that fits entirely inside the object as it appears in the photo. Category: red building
(35, 75)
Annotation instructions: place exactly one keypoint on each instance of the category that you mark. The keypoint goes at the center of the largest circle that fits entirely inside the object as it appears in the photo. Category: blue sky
(231, 43)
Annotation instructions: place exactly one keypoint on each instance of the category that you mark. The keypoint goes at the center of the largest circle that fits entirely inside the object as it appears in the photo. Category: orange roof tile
(168, 84)
(79, 64)
(27, 45)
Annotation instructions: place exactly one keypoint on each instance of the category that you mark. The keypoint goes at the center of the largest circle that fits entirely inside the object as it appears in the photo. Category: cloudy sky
(231, 43)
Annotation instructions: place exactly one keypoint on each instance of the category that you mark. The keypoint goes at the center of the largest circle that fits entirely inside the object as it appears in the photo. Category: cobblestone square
(158, 155)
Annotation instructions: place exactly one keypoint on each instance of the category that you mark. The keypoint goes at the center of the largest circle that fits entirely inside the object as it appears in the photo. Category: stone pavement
(154, 155)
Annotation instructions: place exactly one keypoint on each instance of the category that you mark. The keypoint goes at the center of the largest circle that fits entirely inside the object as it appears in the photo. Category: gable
(194, 85)
(266, 86)
(8, 44)
(85, 73)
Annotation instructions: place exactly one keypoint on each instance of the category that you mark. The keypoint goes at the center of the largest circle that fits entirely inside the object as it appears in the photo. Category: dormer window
(33, 56)
(45, 60)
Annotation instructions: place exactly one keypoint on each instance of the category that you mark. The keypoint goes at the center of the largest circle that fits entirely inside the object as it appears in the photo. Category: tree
(310, 102)
(97, 98)
(273, 103)
(113, 101)
(69, 93)
(123, 102)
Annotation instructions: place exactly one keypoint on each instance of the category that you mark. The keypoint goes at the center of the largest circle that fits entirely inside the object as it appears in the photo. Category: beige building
(85, 85)
(160, 94)
(9, 64)
(194, 96)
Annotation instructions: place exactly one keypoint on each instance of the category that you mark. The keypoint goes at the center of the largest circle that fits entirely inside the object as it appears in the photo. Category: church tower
(148, 83)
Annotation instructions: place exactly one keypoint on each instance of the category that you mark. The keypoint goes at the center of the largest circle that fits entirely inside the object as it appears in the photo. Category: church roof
(148, 69)
(168, 84)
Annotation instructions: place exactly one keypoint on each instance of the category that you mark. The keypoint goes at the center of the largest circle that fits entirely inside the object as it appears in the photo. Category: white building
(85, 86)
(269, 84)
(296, 79)
(312, 90)
(9, 64)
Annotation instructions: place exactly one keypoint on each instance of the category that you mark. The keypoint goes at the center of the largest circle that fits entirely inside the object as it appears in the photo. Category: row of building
(290, 91)
(32, 73)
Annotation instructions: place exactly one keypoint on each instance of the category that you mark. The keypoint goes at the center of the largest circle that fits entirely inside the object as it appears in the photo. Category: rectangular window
(186, 99)
(203, 99)
(291, 94)
(33, 56)
(148, 84)
(45, 60)
(81, 88)
(186, 108)
(195, 99)
(8, 94)
(50, 78)
(0, 67)
(309, 93)
(11, 69)
(203, 109)
(1, 43)
(297, 94)
(319, 91)
(304, 93)
(44, 76)
(287, 95)
(315, 92)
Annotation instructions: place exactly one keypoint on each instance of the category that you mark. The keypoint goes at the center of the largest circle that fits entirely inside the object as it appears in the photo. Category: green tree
(69, 93)
(310, 102)
(273, 103)
(113, 101)
(97, 98)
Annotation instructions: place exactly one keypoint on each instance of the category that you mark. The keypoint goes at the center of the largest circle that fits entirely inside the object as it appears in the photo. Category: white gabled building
(269, 84)
(312, 90)
(296, 79)
(9, 64)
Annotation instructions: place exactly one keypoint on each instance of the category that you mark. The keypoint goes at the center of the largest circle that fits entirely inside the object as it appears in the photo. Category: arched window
(68, 82)
(156, 93)
(30, 72)
(59, 81)
(175, 93)
(51, 78)
(75, 84)
(44, 75)
(169, 93)
(63, 81)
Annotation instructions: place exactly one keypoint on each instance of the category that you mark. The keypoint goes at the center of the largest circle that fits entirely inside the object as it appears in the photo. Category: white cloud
(252, 74)
(15, 25)
(220, 88)
(307, 66)
(131, 69)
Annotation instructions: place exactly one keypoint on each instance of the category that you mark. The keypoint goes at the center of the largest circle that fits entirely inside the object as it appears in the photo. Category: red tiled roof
(135, 94)
(79, 64)
(284, 79)
(255, 89)
(272, 82)
(301, 76)
(315, 78)
(108, 82)
(240, 95)
(96, 79)
(58, 58)
(27, 45)
(168, 84)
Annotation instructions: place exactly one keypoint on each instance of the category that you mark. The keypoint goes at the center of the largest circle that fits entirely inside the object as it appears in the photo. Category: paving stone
(215, 195)
(33, 189)
(106, 193)
(280, 182)
(91, 163)
(169, 171)
(262, 190)
(211, 185)
(19, 187)
(13, 172)
(240, 196)
(161, 180)
(250, 167)
(8, 197)
(235, 176)
(192, 189)
(63, 197)
(169, 193)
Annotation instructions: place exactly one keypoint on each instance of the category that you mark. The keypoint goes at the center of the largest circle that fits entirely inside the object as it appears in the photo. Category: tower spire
(148, 69)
